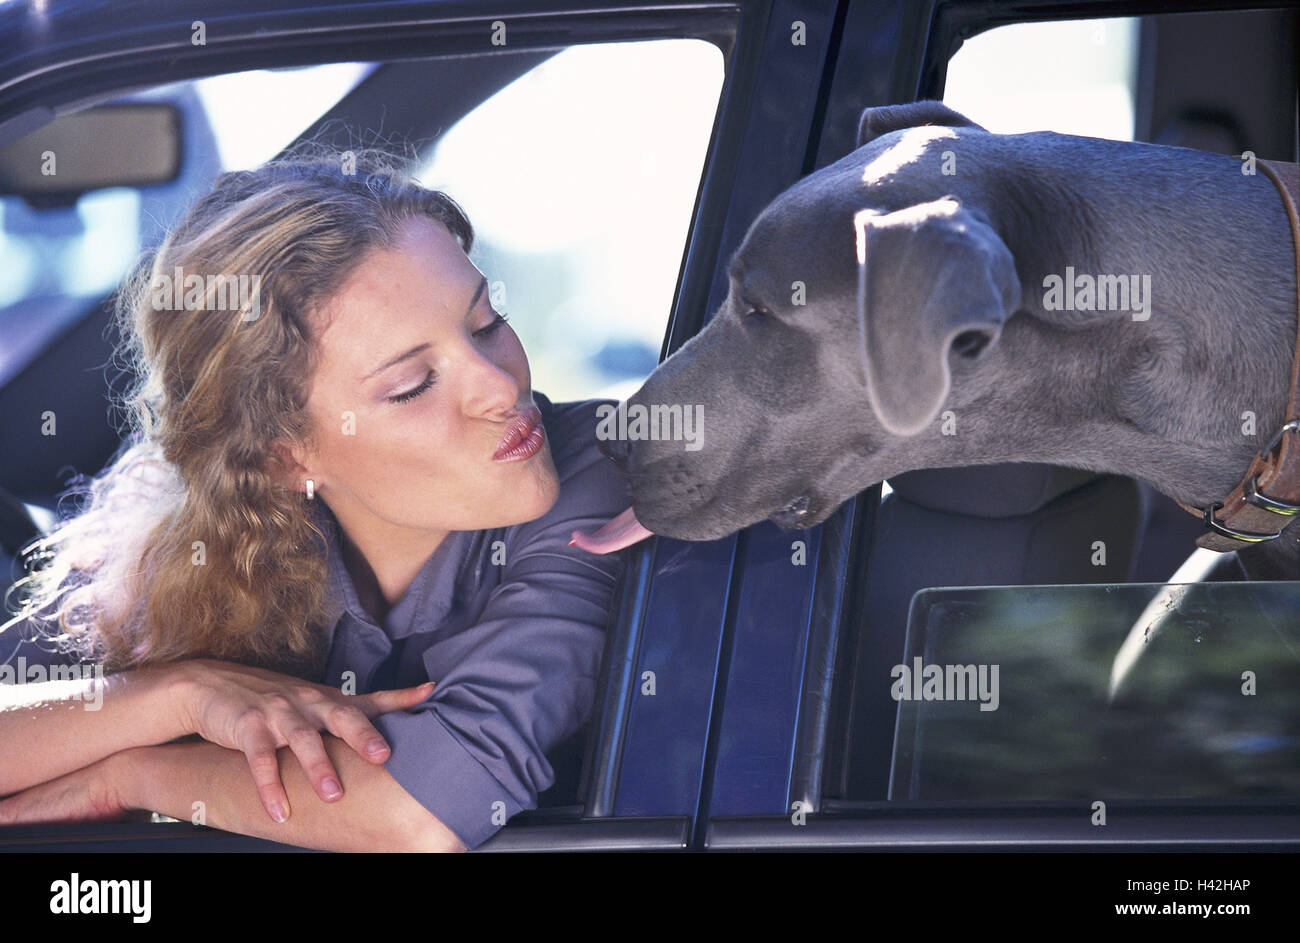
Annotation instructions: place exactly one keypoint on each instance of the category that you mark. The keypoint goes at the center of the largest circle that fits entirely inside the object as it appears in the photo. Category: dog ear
(885, 118)
(932, 278)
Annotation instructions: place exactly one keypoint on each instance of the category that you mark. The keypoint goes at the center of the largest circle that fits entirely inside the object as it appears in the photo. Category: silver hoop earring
(311, 489)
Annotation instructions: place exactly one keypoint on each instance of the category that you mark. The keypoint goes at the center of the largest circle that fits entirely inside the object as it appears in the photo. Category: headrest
(1005, 490)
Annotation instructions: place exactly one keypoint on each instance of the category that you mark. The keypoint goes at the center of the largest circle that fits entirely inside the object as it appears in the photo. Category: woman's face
(417, 384)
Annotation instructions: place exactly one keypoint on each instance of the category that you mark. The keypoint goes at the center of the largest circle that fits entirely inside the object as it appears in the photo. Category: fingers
(307, 745)
(351, 722)
(258, 740)
(258, 746)
(398, 699)
(351, 725)
(282, 720)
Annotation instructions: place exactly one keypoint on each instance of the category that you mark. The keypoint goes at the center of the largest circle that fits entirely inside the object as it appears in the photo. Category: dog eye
(755, 311)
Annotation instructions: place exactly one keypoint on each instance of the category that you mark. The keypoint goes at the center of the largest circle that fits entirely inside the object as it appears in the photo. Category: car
(751, 694)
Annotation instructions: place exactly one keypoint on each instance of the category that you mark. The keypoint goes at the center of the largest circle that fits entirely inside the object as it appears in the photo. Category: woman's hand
(257, 711)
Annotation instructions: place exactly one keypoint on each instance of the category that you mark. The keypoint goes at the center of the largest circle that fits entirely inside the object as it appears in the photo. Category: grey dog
(903, 308)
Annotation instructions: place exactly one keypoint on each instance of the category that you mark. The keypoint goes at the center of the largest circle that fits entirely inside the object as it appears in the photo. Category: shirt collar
(427, 602)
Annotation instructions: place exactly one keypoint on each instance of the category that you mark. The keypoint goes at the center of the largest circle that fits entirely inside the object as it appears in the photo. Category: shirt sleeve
(523, 677)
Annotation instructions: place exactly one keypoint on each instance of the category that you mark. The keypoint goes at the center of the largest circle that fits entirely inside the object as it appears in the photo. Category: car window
(255, 114)
(1032, 693)
(84, 249)
(1084, 78)
(580, 179)
(1193, 720)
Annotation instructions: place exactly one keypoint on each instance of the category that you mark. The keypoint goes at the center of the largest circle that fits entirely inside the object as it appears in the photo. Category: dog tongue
(619, 532)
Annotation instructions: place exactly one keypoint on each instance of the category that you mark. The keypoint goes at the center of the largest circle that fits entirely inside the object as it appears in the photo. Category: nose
(617, 450)
(493, 389)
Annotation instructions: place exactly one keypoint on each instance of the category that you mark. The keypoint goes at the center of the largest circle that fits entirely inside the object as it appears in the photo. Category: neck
(1185, 398)
(382, 559)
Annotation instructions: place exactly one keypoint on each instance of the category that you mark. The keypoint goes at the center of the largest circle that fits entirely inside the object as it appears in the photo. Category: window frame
(104, 61)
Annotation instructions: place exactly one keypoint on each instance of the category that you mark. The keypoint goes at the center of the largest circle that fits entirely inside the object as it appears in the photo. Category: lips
(523, 436)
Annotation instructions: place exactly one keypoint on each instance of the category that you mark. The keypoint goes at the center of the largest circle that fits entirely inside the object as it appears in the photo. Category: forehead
(395, 290)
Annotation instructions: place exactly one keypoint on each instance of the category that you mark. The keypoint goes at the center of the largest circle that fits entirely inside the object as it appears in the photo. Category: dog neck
(1236, 352)
(1267, 501)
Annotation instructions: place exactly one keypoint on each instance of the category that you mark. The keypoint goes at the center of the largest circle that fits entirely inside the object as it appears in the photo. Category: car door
(811, 749)
(467, 58)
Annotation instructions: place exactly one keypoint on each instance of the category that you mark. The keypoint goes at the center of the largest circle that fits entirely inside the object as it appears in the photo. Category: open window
(1044, 569)
(579, 165)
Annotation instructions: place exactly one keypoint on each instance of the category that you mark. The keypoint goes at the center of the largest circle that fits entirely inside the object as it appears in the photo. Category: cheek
(382, 443)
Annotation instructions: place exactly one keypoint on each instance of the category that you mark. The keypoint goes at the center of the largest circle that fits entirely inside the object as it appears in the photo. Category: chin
(529, 503)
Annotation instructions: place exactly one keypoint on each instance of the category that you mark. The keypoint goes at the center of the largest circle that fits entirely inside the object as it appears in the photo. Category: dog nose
(616, 450)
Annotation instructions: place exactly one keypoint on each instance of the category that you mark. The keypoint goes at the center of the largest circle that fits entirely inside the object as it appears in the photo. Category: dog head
(851, 298)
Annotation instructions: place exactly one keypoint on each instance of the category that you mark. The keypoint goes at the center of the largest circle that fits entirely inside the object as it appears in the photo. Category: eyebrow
(421, 348)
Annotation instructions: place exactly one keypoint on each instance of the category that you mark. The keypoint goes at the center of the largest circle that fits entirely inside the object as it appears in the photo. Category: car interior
(1023, 524)
(997, 525)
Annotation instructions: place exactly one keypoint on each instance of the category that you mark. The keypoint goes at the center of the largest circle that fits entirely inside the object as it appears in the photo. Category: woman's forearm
(374, 814)
(54, 727)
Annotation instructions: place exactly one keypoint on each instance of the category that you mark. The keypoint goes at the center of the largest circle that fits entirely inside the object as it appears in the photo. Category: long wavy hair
(191, 543)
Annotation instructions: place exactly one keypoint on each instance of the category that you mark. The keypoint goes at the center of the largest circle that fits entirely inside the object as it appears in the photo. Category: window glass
(580, 179)
(255, 114)
(1005, 693)
(1073, 77)
(230, 122)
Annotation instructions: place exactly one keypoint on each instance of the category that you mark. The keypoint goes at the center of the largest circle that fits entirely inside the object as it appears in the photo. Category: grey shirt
(509, 622)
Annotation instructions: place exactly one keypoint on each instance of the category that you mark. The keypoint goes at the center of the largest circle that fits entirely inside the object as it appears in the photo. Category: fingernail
(277, 812)
(331, 789)
(376, 747)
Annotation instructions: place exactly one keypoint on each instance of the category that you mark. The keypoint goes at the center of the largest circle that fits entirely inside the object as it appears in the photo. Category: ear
(285, 467)
(877, 121)
(932, 278)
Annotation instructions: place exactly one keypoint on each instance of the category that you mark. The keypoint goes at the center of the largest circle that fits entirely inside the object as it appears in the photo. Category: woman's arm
(50, 728)
(375, 813)
(53, 727)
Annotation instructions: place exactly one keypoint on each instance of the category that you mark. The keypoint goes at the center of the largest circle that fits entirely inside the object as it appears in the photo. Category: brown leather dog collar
(1268, 498)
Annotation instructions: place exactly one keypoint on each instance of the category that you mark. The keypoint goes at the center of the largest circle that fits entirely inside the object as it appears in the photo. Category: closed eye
(429, 379)
(413, 393)
(494, 326)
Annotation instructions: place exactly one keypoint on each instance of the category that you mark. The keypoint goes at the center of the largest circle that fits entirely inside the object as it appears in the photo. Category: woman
(341, 526)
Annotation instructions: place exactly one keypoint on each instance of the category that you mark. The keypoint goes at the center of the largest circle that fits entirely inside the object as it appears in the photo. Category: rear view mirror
(107, 146)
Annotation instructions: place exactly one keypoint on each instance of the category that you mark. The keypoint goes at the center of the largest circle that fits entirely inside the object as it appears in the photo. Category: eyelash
(428, 380)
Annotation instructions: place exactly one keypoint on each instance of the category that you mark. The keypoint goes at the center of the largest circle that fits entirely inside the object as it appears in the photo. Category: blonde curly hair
(191, 543)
